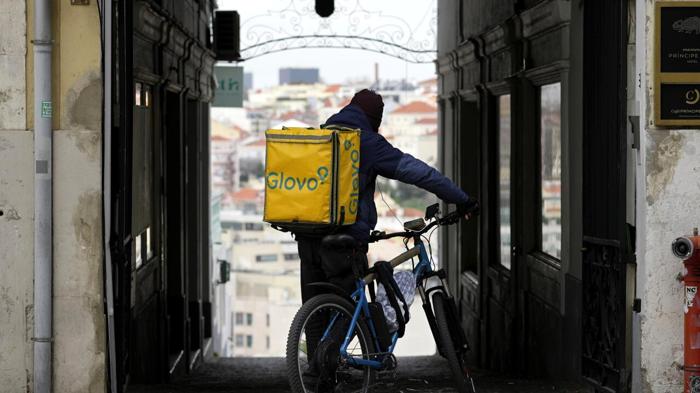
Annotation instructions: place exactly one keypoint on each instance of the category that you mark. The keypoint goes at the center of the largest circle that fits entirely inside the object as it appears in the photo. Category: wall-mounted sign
(677, 63)
(229, 87)
(680, 101)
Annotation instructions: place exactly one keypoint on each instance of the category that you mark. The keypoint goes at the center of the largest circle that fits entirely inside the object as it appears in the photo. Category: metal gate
(607, 249)
(605, 327)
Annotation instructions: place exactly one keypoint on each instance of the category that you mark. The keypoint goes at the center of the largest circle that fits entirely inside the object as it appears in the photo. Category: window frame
(259, 258)
(535, 79)
(497, 92)
(540, 221)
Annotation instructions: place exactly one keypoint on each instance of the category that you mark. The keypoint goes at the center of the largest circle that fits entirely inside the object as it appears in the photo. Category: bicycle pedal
(390, 363)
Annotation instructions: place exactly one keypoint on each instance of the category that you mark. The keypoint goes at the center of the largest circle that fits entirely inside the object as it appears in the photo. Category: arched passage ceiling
(383, 27)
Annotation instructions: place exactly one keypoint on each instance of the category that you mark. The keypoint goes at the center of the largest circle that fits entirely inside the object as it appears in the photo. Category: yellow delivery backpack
(312, 178)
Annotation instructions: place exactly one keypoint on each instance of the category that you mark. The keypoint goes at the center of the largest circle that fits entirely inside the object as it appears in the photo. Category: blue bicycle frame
(362, 306)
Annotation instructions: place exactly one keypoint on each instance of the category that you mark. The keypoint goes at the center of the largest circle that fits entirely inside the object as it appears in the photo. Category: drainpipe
(107, 187)
(43, 198)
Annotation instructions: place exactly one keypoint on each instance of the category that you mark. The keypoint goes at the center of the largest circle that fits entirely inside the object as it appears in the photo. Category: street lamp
(325, 8)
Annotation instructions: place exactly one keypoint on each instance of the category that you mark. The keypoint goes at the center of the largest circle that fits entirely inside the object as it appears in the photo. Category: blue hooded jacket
(379, 157)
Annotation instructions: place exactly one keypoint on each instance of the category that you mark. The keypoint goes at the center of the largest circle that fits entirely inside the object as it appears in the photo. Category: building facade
(79, 348)
(131, 292)
(295, 76)
(547, 116)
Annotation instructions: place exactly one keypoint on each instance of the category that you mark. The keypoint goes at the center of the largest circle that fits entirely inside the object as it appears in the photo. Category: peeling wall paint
(668, 188)
(668, 217)
(16, 205)
(78, 319)
(663, 152)
(13, 51)
(78, 273)
(16, 259)
(668, 206)
(79, 104)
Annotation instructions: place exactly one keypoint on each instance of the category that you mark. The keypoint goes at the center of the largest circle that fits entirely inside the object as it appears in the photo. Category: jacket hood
(351, 116)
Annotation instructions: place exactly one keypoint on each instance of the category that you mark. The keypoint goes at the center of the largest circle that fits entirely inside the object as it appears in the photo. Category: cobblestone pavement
(414, 374)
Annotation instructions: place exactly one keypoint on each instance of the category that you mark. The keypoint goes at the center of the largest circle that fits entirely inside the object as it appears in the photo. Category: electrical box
(227, 35)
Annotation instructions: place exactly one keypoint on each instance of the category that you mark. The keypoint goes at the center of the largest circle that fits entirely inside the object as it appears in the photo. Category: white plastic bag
(407, 284)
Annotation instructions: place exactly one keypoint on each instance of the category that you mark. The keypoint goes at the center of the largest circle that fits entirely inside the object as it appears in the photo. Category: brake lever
(376, 235)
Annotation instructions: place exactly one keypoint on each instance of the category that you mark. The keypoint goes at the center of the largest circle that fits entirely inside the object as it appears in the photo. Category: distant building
(295, 76)
(248, 81)
(412, 118)
(223, 160)
(247, 84)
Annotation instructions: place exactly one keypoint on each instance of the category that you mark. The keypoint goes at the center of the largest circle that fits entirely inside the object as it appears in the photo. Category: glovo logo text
(278, 181)
(355, 194)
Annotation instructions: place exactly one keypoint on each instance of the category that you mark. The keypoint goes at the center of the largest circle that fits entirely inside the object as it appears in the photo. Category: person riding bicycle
(377, 158)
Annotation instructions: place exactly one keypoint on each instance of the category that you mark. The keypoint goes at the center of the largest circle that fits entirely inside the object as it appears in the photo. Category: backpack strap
(385, 274)
(372, 293)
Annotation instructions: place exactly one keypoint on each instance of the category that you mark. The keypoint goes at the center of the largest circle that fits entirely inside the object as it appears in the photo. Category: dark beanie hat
(371, 104)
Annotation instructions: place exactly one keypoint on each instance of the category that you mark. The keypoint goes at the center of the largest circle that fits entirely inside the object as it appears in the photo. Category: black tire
(447, 348)
(321, 302)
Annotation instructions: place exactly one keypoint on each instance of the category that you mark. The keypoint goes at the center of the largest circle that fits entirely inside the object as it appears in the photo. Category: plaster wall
(16, 205)
(668, 202)
(78, 317)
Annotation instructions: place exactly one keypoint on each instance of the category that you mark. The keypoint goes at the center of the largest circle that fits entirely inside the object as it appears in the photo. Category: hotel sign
(229, 87)
(677, 63)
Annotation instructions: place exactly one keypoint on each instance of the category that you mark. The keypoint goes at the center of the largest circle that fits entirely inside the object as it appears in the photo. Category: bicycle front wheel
(313, 359)
(447, 347)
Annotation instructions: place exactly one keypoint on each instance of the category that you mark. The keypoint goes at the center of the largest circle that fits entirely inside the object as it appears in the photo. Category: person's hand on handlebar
(469, 209)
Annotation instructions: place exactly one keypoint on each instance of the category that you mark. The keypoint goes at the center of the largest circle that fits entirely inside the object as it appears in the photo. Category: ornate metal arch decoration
(352, 26)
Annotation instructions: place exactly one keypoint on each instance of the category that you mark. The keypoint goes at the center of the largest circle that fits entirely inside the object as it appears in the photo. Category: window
(236, 226)
(149, 243)
(267, 342)
(142, 184)
(138, 252)
(253, 226)
(266, 258)
(504, 150)
(249, 341)
(550, 153)
(291, 257)
(267, 319)
(239, 318)
(249, 319)
(239, 340)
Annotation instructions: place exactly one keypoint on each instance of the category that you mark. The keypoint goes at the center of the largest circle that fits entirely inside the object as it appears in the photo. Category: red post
(688, 249)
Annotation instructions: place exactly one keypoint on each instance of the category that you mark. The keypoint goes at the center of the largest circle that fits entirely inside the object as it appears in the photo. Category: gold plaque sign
(677, 63)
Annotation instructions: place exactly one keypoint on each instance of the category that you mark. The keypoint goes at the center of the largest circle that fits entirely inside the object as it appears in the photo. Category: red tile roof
(411, 212)
(291, 115)
(247, 194)
(427, 120)
(333, 88)
(415, 107)
(257, 142)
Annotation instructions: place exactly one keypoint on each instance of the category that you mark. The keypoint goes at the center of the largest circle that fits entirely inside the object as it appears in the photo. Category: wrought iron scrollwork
(604, 329)
(352, 26)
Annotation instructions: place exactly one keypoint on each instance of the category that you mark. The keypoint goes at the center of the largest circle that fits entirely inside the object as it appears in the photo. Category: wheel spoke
(311, 349)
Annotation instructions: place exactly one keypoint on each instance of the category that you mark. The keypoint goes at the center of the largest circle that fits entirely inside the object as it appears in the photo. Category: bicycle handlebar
(450, 218)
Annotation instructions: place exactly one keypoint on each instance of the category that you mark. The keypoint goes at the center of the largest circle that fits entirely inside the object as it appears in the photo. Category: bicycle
(351, 342)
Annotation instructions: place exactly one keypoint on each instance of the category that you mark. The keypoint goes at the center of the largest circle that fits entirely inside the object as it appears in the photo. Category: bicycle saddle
(341, 241)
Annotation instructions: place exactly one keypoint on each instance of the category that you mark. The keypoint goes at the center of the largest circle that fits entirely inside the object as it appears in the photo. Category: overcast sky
(370, 17)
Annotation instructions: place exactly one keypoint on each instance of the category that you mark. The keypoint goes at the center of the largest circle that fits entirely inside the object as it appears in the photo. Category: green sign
(229, 87)
(46, 109)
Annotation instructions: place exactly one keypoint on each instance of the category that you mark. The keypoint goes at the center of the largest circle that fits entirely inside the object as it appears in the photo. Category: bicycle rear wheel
(443, 321)
(323, 370)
